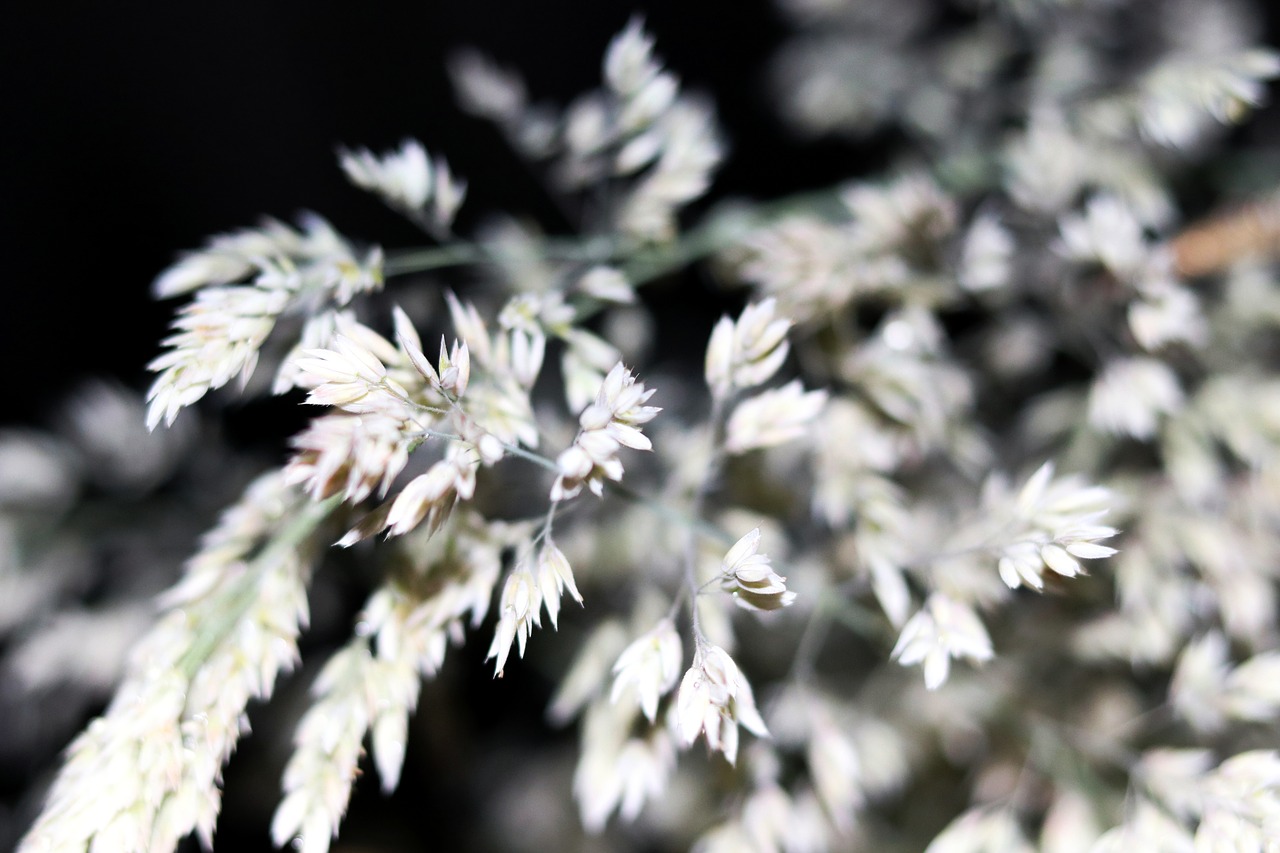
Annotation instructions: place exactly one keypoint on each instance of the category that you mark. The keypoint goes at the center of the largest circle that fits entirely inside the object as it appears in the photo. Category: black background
(132, 131)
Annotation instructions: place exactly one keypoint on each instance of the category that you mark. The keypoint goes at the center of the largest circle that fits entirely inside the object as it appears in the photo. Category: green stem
(710, 531)
(590, 250)
(212, 631)
(717, 232)
(652, 504)
(695, 511)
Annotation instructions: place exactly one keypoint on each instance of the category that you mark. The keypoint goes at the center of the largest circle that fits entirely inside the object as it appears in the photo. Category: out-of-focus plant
(996, 413)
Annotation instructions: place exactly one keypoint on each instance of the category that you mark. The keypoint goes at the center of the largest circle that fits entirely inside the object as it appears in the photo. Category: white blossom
(746, 574)
(1241, 803)
(612, 422)
(1054, 526)
(981, 830)
(554, 576)
(617, 770)
(987, 257)
(431, 495)
(715, 699)
(773, 417)
(748, 352)
(147, 772)
(1070, 824)
(690, 151)
(1208, 691)
(1179, 98)
(650, 666)
(1167, 313)
(350, 454)
(1149, 828)
(1109, 234)
(1133, 395)
(218, 335)
(217, 338)
(1046, 166)
(1174, 777)
(407, 180)
(943, 629)
(485, 89)
(911, 207)
(518, 613)
(608, 284)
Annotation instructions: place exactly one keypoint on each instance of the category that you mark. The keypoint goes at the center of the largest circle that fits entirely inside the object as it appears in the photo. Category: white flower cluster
(1058, 527)
(409, 181)
(218, 335)
(1023, 292)
(621, 765)
(639, 130)
(619, 769)
(943, 629)
(526, 592)
(1179, 101)
(1131, 397)
(744, 354)
(748, 352)
(147, 773)
(1208, 692)
(714, 700)
(649, 667)
(612, 422)
(745, 573)
(887, 239)
(1192, 805)
(391, 397)
(373, 690)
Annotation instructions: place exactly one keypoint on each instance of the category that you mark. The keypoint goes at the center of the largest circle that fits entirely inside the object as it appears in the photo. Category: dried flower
(1057, 527)
(554, 575)
(218, 335)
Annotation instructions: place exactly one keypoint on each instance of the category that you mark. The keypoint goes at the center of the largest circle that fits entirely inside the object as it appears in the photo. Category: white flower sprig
(748, 352)
(1057, 526)
(147, 772)
(715, 698)
(773, 417)
(612, 422)
(943, 629)
(1132, 396)
(218, 335)
(527, 590)
(409, 181)
(649, 667)
(746, 574)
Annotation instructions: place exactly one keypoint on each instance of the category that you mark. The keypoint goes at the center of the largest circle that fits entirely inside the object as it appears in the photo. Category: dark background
(134, 130)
